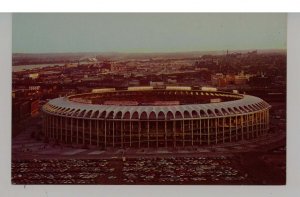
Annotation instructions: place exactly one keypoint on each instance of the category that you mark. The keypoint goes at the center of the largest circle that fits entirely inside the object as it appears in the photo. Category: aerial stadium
(172, 116)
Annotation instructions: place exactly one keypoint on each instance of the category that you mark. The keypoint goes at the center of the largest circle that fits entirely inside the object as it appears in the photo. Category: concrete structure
(149, 117)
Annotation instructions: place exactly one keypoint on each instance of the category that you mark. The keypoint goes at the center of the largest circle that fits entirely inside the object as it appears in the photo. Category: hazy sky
(125, 32)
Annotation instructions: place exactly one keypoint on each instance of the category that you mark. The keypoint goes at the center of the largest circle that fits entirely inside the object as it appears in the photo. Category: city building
(150, 117)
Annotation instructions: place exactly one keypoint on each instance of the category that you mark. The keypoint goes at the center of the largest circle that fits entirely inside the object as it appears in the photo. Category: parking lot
(190, 170)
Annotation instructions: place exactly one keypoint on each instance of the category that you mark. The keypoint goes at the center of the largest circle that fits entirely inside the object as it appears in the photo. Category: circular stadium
(172, 116)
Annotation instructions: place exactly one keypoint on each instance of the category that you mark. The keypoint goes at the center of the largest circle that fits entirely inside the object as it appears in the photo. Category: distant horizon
(147, 32)
(157, 52)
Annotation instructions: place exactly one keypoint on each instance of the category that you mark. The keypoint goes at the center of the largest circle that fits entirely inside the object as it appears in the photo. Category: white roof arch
(65, 107)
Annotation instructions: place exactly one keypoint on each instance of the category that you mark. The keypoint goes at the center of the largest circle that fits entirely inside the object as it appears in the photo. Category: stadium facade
(148, 117)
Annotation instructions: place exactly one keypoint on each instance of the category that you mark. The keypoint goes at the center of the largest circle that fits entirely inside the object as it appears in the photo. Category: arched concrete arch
(170, 115)
(178, 115)
(135, 115)
(161, 115)
(203, 113)
(152, 115)
(118, 115)
(81, 113)
(88, 114)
